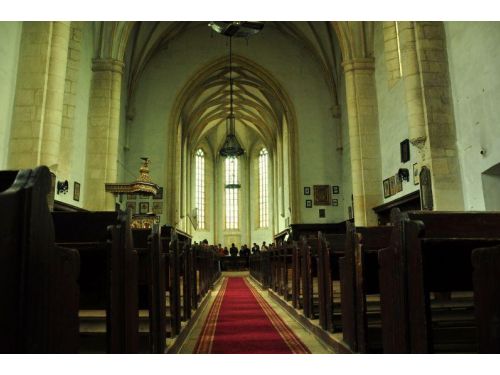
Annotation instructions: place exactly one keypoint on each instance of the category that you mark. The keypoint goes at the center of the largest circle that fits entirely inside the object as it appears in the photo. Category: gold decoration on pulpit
(142, 186)
(144, 221)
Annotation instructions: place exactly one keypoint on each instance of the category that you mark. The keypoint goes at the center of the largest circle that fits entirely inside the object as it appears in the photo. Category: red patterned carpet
(241, 322)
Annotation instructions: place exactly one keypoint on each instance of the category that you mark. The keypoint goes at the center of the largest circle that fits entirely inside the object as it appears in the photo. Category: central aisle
(240, 321)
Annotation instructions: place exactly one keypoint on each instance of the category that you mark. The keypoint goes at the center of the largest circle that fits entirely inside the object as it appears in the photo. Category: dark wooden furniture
(486, 265)
(108, 274)
(38, 280)
(430, 256)
(361, 325)
(409, 202)
(238, 263)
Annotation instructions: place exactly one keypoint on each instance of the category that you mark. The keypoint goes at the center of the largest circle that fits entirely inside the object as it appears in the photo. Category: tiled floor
(314, 345)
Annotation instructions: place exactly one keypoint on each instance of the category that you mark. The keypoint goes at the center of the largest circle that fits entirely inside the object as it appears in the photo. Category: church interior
(250, 187)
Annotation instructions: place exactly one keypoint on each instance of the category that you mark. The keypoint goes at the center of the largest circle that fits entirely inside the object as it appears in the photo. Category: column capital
(113, 65)
(361, 63)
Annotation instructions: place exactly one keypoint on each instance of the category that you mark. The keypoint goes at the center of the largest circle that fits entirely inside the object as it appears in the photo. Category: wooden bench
(237, 263)
(333, 249)
(37, 278)
(152, 285)
(108, 275)
(359, 269)
(319, 268)
(260, 268)
(486, 265)
(430, 252)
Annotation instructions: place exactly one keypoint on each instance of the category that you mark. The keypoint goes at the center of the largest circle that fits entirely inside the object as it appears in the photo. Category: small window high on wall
(200, 187)
(263, 189)
(231, 191)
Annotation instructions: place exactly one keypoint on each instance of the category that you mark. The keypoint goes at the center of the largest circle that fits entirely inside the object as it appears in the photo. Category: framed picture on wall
(405, 150)
(335, 189)
(399, 183)
(392, 185)
(335, 202)
(143, 207)
(387, 189)
(76, 191)
(322, 212)
(309, 203)
(416, 177)
(307, 190)
(322, 195)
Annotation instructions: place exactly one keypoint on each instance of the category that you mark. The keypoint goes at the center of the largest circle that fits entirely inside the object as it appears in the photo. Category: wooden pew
(157, 312)
(306, 278)
(335, 250)
(359, 280)
(39, 311)
(176, 245)
(274, 264)
(231, 263)
(486, 264)
(430, 252)
(108, 272)
(287, 269)
(296, 276)
(323, 256)
(319, 267)
(173, 281)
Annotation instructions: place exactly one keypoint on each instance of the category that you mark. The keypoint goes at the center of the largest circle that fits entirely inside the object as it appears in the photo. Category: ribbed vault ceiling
(316, 37)
(256, 103)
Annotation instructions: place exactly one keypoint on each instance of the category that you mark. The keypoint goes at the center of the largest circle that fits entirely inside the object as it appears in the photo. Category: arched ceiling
(258, 102)
(258, 106)
(318, 38)
(255, 103)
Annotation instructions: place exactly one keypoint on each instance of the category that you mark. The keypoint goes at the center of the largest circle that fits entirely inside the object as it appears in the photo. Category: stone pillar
(69, 106)
(363, 138)
(102, 133)
(413, 85)
(430, 113)
(38, 104)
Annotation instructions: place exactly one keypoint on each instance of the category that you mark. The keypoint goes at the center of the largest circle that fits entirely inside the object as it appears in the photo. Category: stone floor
(311, 341)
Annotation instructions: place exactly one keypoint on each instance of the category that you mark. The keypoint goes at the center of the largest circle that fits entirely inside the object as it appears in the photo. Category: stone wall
(473, 54)
(10, 40)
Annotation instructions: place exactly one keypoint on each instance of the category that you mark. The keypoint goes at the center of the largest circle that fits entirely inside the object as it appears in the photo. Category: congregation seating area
(426, 283)
(85, 282)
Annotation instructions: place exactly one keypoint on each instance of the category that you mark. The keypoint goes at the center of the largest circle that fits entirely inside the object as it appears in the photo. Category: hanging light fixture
(231, 147)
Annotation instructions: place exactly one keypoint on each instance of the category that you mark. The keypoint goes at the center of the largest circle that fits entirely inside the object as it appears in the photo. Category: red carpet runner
(241, 322)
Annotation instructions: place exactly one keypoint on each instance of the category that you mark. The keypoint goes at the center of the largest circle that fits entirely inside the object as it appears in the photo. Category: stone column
(69, 106)
(38, 104)
(363, 138)
(102, 133)
(413, 85)
(430, 113)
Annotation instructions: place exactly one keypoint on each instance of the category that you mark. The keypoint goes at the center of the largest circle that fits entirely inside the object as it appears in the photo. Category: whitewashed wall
(293, 68)
(10, 40)
(474, 55)
(77, 169)
(393, 120)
